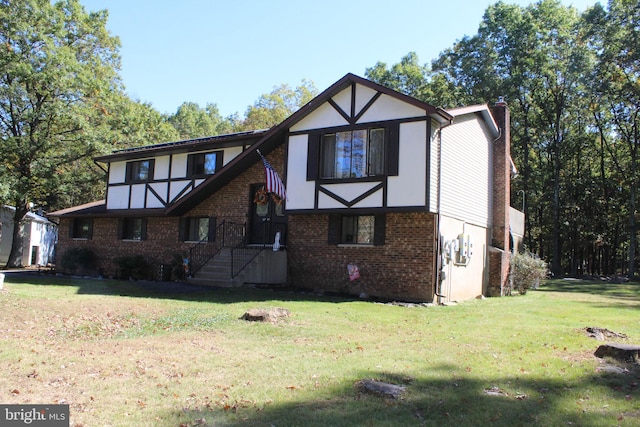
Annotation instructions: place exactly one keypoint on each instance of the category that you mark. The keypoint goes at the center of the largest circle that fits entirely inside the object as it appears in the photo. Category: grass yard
(139, 354)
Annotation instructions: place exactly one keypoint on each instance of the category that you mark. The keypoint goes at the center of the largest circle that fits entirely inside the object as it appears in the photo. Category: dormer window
(353, 154)
(140, 170)
(201, 164)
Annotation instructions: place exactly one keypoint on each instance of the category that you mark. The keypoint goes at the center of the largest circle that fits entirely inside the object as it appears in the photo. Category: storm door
(267, 217)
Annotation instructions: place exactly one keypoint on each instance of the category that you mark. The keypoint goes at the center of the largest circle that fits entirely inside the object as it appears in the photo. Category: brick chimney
(500, 252)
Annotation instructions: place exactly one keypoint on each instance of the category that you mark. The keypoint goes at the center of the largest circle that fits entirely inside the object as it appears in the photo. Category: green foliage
(81, 260)
(191, 121)
(178, 271)
(527, 271)
(274, 107)
(134, 267)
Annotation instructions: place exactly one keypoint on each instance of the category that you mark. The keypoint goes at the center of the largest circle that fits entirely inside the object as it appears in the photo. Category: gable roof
(275, 136)
(217, 141)
(483, 110)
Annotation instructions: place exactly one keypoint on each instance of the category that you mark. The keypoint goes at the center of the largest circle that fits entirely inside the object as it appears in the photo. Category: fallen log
(624, 352)
(381, 389)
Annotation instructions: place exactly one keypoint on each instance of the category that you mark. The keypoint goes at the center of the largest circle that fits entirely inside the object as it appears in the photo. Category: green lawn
(128, 353)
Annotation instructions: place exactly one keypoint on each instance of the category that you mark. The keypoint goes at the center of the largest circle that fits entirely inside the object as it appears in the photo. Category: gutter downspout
(439, 273)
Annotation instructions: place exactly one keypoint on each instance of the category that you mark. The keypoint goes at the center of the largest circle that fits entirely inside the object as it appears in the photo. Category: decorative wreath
(276, 199)
(261, 197)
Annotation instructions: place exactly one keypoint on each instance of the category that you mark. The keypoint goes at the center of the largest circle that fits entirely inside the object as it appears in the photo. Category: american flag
(274, 183)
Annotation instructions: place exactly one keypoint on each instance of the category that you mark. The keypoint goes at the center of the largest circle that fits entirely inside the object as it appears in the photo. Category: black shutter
(182, 229)
(379, 229)
(152, 165)
(212, 229)
(143, 232)
(393, 149)
(219, 158)
(334, 229)
(190, 165)
(121, 228)
(313, 156)
(72, 227)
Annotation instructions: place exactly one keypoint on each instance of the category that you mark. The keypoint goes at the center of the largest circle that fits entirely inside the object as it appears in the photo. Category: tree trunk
(632, 212)
(17, 242)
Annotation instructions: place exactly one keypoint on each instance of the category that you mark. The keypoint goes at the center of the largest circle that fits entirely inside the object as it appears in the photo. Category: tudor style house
(386, 196)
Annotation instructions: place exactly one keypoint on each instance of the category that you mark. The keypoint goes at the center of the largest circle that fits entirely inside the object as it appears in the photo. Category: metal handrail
(226, 234)
(241, 257)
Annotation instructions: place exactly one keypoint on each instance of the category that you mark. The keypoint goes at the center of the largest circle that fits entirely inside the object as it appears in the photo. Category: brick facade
(162, 244)
(402, 268)
(500, 252)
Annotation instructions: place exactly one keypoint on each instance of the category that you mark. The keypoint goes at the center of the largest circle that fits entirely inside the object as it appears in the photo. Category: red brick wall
(402, 269)
(162, 244)
(499, 261)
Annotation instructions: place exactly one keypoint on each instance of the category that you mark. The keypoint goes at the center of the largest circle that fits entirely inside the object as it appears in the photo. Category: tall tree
(58, 68)
(615, 35)
(272, 108)
(192, 121)
(531, 56)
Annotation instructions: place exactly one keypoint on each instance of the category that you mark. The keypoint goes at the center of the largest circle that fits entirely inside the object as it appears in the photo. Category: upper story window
(353, 154)
(140, 170)
(204, 163)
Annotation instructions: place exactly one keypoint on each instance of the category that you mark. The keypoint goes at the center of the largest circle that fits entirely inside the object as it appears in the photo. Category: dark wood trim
(368, 105)
(187, 188)
(358, 211)
(368, 125)
(339, 110)
(150, 189)
(354, 201)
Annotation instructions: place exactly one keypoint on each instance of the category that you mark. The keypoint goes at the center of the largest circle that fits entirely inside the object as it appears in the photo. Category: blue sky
(230, 52)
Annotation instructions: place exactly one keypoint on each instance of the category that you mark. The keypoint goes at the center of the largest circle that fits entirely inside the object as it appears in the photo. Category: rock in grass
(381, 389)
(265, 315)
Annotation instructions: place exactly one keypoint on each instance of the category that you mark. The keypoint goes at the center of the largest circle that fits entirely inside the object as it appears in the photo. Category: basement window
(365, 230)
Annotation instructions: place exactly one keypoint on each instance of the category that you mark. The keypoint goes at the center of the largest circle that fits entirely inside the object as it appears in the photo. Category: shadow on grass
(628, 293)
(452, 401)
(170, 290)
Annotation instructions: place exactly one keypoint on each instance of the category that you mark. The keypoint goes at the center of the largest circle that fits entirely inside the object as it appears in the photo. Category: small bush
(178, 268)
(527, 270)
(83, 260)
(134, 267)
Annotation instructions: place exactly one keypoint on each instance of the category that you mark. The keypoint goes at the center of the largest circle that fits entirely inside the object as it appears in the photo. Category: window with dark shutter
(140, 170)
(132, 229)
(81, 228)
(357, 230)
(202, 164)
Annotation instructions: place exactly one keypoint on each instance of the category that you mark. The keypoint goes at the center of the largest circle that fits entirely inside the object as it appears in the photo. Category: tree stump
(623, 352)
(265, 315)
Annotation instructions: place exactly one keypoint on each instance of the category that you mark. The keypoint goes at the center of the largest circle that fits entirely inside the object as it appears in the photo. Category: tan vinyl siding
(466, 171)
